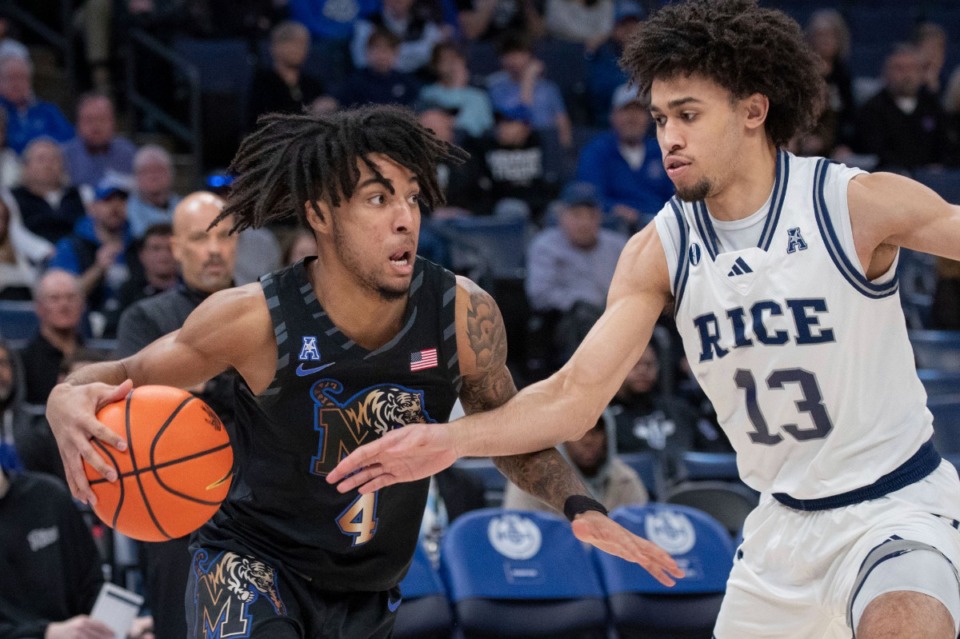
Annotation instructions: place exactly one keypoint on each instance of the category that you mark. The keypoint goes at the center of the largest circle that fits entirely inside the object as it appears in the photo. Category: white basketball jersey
(806, 361)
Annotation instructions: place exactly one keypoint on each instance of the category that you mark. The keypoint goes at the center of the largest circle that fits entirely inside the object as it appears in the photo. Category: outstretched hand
(602, 532)
(413, 452)
(72, 413)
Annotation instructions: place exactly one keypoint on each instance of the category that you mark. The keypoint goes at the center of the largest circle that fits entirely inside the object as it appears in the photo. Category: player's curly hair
(740, 46)
(292, 159)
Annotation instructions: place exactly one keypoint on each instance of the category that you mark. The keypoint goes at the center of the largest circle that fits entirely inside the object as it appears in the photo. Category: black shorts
(238, 596)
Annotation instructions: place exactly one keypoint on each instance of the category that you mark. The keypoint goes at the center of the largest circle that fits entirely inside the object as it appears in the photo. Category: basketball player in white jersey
(781, 274)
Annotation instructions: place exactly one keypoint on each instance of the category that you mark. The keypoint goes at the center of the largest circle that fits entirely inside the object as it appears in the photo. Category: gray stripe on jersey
(416, 283)
(449, 295)
(450, 331)
(397, 337)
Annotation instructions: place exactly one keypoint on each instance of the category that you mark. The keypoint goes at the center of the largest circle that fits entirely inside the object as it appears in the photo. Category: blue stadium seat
(521, 574)
(936, 349)
(18, 320)
(225, 65)
(703, 465)
(729, 502)
(647, 464)
(494, 483)
(918, 279)
(938, 382)
(946, 423)
(641, 607)
(425, 612)
(500, 241)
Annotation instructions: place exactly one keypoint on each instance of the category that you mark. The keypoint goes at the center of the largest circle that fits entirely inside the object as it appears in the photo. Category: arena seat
(18, 320)
(699, 465)
(647, 464)
(494, 483)
(936, 349)
(729, 502)
(938, 382)
(643, 608)
(425, 611)
(521, 574)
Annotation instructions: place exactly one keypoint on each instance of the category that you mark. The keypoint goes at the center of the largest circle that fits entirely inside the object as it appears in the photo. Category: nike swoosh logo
(303, 372)
(393, 605)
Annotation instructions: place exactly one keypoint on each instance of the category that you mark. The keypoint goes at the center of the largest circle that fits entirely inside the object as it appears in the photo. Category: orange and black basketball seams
(177, 468)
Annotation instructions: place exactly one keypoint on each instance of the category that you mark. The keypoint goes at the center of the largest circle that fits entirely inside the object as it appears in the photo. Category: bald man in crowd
(206, 259)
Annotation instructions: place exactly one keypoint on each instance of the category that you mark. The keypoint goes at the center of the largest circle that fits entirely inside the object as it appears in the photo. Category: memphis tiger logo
(345, 425)
(227, 585)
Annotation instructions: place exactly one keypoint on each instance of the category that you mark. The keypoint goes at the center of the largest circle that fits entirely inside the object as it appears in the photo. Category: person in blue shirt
(27, 117)
(625, 165)
(379, 82)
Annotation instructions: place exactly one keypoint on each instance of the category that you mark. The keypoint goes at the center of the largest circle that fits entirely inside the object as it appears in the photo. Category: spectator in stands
(303, 244)
(153, 200)
(931, 41)
(53, 570)
(604, 74)
(59, 306)
(460, 183)
(206, 257)
(27, 117)
(827, 33)
(379, 82)
(452, 91)
(490, 20)
(625, 165)
(97, 151)
(594, 456)
(101, 253)
(587, 22)
(12, 391)
(521, 85)
(10, 167)
(159, 268)
(331, 23)
(649, 418)
(904, 124)
(34, 441)
(9, 46)
(93, 19)
(513, 165)
(17, 274)
(285, 87)
(569, 268)
(412, 23)
(47, 206)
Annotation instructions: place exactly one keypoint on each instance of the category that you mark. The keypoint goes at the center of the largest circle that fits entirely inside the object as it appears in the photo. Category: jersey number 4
(811, 402)
(359, 520)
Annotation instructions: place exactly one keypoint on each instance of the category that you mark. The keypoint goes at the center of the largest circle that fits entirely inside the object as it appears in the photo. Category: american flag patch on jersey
(423, 359)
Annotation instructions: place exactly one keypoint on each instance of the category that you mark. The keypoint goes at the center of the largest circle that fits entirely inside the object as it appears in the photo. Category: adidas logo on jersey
(739, 268)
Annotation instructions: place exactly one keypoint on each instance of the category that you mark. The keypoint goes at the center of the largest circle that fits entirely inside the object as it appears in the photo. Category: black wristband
(577, 504)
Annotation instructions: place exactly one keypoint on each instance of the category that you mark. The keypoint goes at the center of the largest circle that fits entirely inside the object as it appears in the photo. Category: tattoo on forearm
(545, 474)
(492, 385)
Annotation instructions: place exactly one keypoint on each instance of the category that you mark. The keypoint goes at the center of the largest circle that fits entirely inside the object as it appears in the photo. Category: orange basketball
(176, 469)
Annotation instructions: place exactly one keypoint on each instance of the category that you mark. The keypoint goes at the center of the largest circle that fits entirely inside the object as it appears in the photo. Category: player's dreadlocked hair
(293, 159)
(739, 46)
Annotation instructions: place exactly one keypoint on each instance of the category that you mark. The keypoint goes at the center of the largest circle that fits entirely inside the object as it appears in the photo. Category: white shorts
(796, 571)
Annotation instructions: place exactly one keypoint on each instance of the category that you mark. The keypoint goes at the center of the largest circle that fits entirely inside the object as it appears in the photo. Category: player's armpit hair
(292, 159)
(740, 46)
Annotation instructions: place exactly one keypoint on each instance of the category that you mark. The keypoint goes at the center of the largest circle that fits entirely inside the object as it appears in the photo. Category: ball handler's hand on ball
(71, 411)
(602, 532)
(405, 454)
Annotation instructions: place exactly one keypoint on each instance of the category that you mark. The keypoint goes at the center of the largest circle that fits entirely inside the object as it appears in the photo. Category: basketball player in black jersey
(331, 352)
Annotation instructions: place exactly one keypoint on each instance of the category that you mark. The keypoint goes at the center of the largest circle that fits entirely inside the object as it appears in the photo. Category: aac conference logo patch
(514, 536)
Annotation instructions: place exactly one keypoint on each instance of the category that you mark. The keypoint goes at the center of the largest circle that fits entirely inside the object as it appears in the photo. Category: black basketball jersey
(329, 396)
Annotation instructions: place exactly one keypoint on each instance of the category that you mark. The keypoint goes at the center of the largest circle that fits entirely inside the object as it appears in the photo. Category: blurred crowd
(559, 139)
